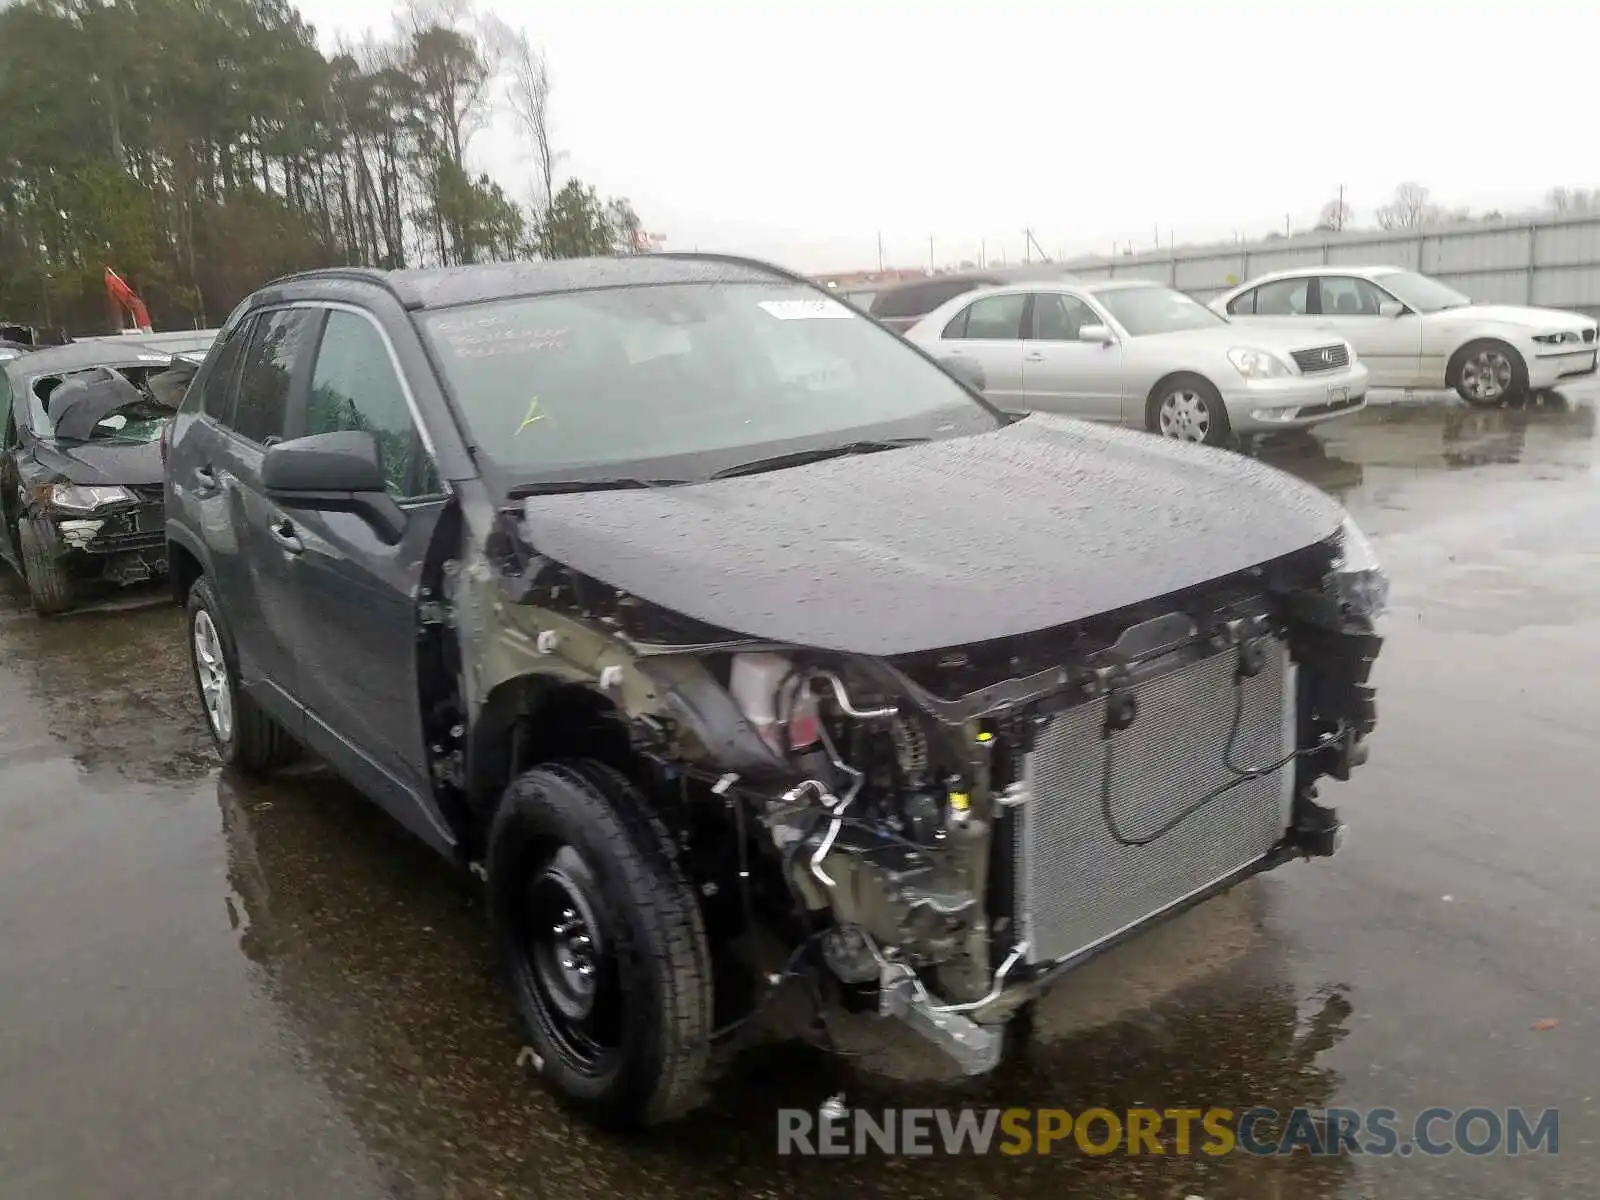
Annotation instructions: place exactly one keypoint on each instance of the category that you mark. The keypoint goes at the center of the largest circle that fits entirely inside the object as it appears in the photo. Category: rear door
(356, 596)
(1286, 304)
(1062, 374)
(253, 573)
(989, 332)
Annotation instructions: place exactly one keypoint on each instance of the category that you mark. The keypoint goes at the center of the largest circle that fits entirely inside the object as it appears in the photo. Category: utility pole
(1027, 246)
(931, 267)
(1288, 231)
(880, 252)
(983, 252)
(1338, 220)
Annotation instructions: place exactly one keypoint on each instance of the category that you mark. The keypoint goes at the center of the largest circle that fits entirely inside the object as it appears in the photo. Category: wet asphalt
(210, 988)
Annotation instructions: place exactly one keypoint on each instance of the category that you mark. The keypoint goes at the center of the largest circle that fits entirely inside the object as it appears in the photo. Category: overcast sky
(801, 131)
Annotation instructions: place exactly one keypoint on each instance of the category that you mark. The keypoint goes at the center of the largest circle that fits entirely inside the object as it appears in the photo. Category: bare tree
(529, 96)
(1336, 215)
(1565, 202)
(1408, 209)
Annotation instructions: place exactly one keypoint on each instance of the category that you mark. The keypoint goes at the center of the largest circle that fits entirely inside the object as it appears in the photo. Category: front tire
(604, 943)
(1188, 408)
(49, 586)
(246, 738)
(1487, 373)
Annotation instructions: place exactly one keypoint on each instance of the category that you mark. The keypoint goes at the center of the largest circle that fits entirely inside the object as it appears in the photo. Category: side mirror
(1391, 308)
(334, 472)
(1099, 334)
(968, 370)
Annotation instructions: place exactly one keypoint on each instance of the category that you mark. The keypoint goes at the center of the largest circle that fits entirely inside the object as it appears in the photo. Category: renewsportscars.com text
(1319, 1132)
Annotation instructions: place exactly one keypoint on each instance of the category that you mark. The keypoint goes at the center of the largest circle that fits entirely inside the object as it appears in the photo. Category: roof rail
(741, 260)
(370, 275)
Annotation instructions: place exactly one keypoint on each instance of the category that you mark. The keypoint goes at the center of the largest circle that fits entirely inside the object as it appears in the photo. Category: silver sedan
(1142, 354)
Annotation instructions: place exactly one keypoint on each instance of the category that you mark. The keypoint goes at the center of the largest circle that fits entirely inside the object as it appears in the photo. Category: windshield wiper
(559, 487)
(797, 458)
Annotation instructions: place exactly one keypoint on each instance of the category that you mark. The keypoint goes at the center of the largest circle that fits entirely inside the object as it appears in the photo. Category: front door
(1391, 346)
(1062, 374)
(357, 595)
(989, 332)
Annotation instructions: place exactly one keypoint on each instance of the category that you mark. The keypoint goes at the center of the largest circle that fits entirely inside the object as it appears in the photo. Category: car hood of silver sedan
(1034, 525)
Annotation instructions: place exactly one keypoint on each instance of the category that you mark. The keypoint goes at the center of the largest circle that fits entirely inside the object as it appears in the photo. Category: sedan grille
(1321, 358)
(1078, 883)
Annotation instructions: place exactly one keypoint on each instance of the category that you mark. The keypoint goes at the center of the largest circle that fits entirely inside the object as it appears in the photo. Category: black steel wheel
(604, 943)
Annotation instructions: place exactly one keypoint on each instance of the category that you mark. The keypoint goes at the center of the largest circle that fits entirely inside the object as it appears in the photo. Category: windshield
(1420, 293)
(1146, 310)
(681, 380)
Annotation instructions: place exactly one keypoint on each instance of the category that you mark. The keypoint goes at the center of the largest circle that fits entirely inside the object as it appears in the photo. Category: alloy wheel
(1185, 415)
(1487, 374)
(216, 693)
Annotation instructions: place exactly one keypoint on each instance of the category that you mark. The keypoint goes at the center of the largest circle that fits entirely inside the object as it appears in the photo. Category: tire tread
(662, 902)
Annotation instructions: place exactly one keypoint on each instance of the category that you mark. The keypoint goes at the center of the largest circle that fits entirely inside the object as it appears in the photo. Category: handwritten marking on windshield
(533, 415)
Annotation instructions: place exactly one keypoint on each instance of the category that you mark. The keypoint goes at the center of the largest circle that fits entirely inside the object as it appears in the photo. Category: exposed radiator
(1077, 884)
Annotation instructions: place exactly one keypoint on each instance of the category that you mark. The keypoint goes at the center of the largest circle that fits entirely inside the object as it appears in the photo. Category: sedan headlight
(1565, 337)
(1357, 580)
(72, 497)
(1258, 364)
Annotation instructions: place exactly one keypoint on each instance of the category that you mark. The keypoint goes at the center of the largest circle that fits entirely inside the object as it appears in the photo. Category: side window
(995, 318)
(277, 343)
(1348, 296)
(219, 381)
(354, 387)
(1244, 304)
(1283, 298)
(1057, 318)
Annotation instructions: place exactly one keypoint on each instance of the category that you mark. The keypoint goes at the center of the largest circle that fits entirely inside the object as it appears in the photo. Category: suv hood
(1035, 525)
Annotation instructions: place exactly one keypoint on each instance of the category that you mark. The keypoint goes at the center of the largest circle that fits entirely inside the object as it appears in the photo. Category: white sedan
(1139, 354)
(1414, 332)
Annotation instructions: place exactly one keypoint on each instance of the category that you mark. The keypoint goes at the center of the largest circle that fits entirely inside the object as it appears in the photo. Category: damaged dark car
(80, 464)
(699, 615)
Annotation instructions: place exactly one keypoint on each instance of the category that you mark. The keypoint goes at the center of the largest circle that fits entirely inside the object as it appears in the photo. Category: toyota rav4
(679, 601)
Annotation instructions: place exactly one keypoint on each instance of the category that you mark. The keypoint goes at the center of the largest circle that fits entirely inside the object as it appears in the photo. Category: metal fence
(1551, 263)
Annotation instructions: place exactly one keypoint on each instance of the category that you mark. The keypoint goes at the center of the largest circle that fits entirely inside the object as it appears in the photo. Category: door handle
(282, 531)
(1034, 356)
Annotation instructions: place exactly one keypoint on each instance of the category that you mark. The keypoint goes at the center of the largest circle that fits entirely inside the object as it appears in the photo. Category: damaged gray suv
(683, 604)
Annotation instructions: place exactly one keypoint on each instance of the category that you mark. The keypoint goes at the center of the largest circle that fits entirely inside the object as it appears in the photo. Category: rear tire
(604, 943)
(49, 586)
(1187, 408)
(246, 738)
(1488, 373)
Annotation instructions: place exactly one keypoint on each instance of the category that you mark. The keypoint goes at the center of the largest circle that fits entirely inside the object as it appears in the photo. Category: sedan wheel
(1486, 376)
(1488, 373)
(1188, 409)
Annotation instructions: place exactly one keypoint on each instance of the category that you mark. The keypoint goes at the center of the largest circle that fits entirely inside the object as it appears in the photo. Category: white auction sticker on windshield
(805, 310)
